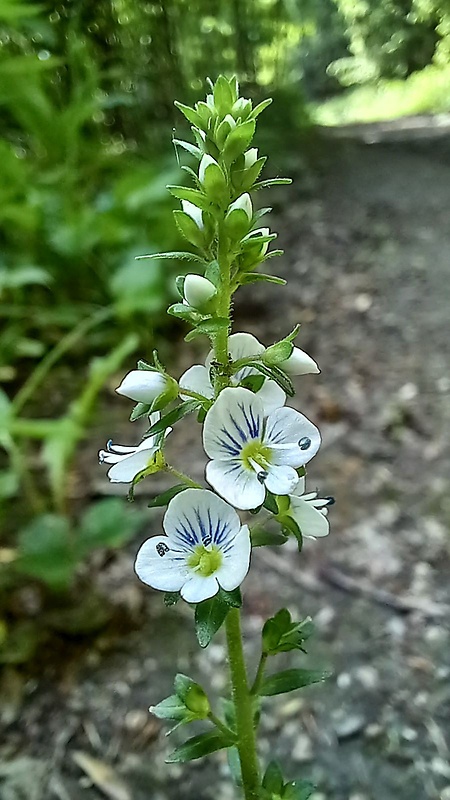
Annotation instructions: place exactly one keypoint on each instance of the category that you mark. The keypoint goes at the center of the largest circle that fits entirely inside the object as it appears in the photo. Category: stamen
(109, 445)
(304, 443)
(162, 549)
(262, 475)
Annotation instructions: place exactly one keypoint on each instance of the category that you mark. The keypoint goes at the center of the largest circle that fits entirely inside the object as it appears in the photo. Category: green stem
(182, 477)
(221, 725)
(243, 705)
(259, 674)
(220, 340)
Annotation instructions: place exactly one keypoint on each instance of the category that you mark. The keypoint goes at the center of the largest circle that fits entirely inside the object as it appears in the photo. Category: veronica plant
(256, 446)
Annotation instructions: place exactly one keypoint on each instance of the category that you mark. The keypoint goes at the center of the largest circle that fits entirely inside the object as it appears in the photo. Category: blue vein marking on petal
(252, 424)
(275, 436)
(241, 433)
(221, 535)
(187, 533)
(234, 448)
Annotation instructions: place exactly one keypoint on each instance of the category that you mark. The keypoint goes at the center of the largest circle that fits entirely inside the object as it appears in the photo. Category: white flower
(240, 345)
(243, 203)
(250, 451)
(309, 512)
(127, 461)
(193, 212)
(254, 236)
(205, 548)
(143, 385)
(198, 291)
(299, 363)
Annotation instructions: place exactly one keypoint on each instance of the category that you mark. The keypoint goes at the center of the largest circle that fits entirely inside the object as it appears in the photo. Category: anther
(262, 475)
(304, 443)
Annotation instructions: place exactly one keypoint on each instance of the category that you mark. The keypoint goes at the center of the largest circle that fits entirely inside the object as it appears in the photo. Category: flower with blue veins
(252, 451)
(309, 511)
(205, 547)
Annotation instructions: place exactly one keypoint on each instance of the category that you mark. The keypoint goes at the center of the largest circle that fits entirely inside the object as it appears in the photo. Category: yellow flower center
(256, 453)
(205, 562)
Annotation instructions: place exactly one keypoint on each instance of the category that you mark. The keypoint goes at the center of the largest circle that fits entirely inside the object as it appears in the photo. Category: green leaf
(233, 599)
(262, 538)
(270, 503)
(140, 410)
(212, 273)
(223, 96)
(199, 746)
(191, 148)
(208, 327)
(298, 790)
(253, 382)
(273, 778)
(164, 498)
(260, 277)
(170, 708)
(107, 523)
(194, 196)
(209, 617)
(272, 182)
(188, 228)
(260, 107)
(190, 114)
(179, 255)
(276, 375)
(171, 598)
(288, 523)
(238, 140)
(290, 680)
(182, 311)
(172, 417)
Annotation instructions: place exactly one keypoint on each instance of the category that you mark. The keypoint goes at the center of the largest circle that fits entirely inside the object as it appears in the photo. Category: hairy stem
(259, 674)
(242, 700)
(182, 477)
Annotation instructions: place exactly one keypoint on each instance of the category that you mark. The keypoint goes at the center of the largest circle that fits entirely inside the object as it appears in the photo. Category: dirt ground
(367, 248)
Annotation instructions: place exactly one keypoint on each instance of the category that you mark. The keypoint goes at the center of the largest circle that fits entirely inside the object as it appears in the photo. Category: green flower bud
(213, 180)
(239, 217)
(198, 291)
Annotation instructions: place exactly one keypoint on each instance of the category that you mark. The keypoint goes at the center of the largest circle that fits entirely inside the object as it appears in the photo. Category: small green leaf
(140, 410)
(298, 790)
(272, 182)
(233, 598)
(290, 680)
(273, 778)
(184, 312)
(170, 708)
(238, 140)
(260, 107)
(164, 498)
(172, 417)
(253, 382)
(191, 148)
(270, 503)
(209, 617)
(171, 598)
(212, 273)
(178, 255)
(199, 746)
(276, 375)
(190, 114)
(262, 538)
(208, 327)
(261, 277)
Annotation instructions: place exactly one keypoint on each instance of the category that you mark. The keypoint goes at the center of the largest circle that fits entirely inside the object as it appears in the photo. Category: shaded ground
(367, 260)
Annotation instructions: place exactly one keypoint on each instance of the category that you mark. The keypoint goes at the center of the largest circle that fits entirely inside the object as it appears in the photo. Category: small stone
(324, 617)
(363, 302)
(445, 794)
(136, 720)
(291, 708)
(367, 676)
(344, 680)
(303, 750)
(440, 767)
(373, 731)
(407, 392)
(409, 734)
(348, 726)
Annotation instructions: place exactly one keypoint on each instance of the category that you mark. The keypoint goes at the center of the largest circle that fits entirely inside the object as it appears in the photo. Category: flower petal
(128, 466)
(239, 486)
(293, 438)
(236, 561)
(197, 588)
(160, 566)
(281, 479)
(198, 516)
(311, 522)
(235, 419)
(271, 395)
(196, 379)
(299, 363)
(142, 385)
(240, 345)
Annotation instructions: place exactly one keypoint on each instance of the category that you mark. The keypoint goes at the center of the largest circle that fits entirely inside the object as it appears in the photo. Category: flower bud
(250, 157)
(197, 701)
(212, 178)
(241, 108)
(143, 386)
(193, 212)
(299, 363)
(244, 203)
(198, 291)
